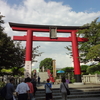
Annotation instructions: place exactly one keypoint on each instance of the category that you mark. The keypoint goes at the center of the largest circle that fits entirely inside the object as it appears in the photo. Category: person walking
(10, 89)
(48, 90)
(63, 87)
(33, 81)
(31, 92)
(22, 91)
(38, 79)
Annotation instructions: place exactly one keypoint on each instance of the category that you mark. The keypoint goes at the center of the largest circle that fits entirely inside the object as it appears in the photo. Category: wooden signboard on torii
(53, 30)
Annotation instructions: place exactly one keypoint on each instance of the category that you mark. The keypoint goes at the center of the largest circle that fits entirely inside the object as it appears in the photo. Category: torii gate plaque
(29, 29)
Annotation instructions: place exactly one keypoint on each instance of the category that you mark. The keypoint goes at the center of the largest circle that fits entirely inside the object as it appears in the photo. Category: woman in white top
(63, 89)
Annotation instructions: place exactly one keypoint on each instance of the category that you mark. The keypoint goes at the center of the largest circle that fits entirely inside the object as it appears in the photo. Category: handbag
(68, 92)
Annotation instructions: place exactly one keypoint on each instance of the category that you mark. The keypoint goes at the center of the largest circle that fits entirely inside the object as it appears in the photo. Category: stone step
(40, 95)
(71, 90)
(88, 98)
(70, 96)
(76, 93)
(71, 86)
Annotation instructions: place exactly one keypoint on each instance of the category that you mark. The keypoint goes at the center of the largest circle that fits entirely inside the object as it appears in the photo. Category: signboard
(28, 69)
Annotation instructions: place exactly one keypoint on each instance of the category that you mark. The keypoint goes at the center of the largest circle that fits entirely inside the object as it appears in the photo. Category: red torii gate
(47, 28)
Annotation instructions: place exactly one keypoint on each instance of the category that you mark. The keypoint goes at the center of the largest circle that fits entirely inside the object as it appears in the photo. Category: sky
(49, 12)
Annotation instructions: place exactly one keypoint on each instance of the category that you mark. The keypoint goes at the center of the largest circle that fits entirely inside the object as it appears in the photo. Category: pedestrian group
(24, 91)
(27, 88)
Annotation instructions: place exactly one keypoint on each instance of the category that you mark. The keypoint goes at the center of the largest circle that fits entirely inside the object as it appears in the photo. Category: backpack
(3, 91)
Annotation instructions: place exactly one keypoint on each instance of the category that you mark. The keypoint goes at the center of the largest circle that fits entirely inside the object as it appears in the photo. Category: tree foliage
(84, 69)
(68, 69)
(11, 54)
(47, 63)
(94, 69)
(90, 50)
(17, 71)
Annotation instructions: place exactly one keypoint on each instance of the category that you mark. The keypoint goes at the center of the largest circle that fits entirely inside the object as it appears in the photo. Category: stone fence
(6, 78)
(95, 79)
(91, 78)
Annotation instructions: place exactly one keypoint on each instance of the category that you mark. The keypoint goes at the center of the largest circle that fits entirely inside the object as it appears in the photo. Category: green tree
(6, 45)
(94, 53)
(94, 69)
(47, 63)
(18, 55)
(84, 69)
(11, 54)
(16, 71)
(68, 69)
(90, 50)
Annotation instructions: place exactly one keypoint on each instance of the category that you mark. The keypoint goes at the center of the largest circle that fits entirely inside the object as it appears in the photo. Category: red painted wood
(29, 45)
(59, 39)
(76, 61)
(40, 30)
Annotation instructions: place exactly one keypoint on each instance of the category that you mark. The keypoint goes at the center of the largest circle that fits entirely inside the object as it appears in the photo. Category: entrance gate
(29, 29)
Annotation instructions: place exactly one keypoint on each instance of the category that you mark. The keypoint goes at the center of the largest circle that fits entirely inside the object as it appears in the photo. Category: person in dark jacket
(38, 79)
(33, 81)
(10, 89)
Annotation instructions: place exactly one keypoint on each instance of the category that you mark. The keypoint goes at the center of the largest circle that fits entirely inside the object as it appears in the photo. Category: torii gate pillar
(28, 59)
(77, 70)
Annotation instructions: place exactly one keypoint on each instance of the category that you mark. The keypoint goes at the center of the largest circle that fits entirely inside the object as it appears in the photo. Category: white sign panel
(28, 69)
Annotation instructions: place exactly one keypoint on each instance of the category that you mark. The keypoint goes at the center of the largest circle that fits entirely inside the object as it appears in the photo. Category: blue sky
(49, 12)
(81, 5)
(77, 5)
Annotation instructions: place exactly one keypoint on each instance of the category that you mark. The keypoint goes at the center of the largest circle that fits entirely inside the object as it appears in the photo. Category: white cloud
(47, 13)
